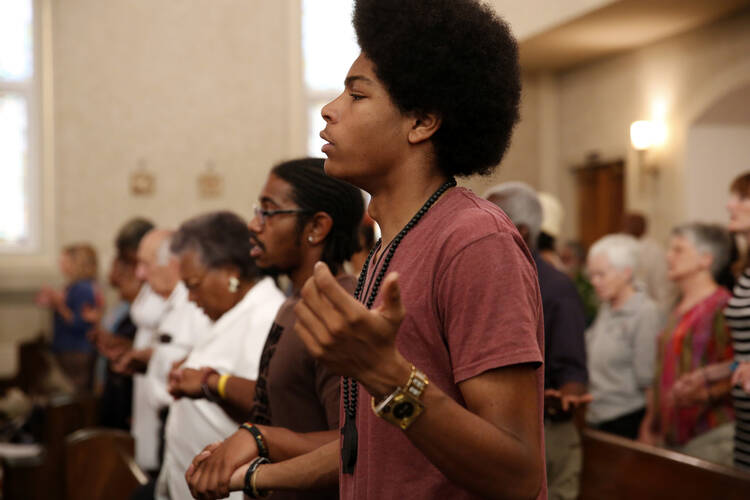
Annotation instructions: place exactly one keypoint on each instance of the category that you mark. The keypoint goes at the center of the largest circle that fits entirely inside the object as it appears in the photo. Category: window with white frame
(329, 47)
(18, 187)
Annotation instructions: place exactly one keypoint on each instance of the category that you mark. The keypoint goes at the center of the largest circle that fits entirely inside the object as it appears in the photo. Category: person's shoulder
(465, 218)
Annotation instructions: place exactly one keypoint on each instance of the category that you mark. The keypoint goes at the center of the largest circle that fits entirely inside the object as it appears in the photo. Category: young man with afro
(441, 348)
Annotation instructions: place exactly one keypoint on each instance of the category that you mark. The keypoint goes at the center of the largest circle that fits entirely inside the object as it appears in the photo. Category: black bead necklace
(350, 387)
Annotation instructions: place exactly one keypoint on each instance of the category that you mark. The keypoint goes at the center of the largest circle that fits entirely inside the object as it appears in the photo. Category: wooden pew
(44, 479)
(616, 468)
(99, 465)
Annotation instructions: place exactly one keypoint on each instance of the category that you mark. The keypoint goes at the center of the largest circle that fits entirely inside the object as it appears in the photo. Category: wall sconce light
(644, 135)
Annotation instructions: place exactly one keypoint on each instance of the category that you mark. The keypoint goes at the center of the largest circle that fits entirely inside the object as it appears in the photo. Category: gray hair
(220, 239)
(621, 250)
(521, 204)
(708, 239)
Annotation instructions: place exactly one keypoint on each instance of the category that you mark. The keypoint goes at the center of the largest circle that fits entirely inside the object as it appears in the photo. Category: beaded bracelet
(250, 488)
(260, 441)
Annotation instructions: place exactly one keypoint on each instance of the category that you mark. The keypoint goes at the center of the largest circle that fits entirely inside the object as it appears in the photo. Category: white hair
(620, 249)
(520, 203)
(163, 253)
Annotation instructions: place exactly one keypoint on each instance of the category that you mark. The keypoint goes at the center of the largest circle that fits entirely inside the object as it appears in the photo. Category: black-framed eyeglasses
(262, 214)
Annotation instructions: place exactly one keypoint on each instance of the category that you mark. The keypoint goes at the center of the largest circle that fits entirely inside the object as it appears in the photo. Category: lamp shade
(643, 134)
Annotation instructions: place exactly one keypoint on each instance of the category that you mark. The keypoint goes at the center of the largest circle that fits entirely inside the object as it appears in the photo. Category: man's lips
(258, 247)
(329, 143)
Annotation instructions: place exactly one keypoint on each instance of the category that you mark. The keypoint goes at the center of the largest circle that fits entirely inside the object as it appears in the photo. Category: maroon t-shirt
(470, 290)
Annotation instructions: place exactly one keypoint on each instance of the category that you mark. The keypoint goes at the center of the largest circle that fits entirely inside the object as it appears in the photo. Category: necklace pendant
(349, 448)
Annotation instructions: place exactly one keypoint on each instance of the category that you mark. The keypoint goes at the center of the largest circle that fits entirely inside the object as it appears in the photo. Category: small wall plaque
(142, 181)
(210, 183)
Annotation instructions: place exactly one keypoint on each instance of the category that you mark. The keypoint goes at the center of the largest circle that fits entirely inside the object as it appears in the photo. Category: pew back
(99, 465)
(616, 468)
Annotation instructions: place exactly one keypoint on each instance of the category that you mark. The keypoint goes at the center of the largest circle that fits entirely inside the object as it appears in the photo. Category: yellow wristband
(221, 386)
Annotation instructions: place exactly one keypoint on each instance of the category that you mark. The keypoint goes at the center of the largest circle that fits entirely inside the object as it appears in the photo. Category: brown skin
(389, 154)
(280, 245)
(209, 289)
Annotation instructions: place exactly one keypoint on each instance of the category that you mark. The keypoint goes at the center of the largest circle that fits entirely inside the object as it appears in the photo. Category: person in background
(573, 256)
(738, 319)
(565, 375)
(711, 381)
(74, 352)
(114, 336)
(696, 336)
(652, 263)
(621, 343)
(552, 217)
(366, 241)
(222, 279)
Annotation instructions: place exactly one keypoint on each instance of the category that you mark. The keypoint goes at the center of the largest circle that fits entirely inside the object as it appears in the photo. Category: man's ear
(423, 127)
(317, 228)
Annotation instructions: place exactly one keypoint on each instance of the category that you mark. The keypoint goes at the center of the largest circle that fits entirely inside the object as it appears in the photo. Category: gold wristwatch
(403, 405)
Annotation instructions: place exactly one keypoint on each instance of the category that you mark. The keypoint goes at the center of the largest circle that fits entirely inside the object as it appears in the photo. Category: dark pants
(145, 492)
(626, 426)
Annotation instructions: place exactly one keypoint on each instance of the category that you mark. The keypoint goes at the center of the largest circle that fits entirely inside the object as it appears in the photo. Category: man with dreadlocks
(303, 217)
(441, 347)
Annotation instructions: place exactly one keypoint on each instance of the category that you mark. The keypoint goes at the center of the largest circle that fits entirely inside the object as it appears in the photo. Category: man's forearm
(238, 395)
(474, 453)
(284, 444)
(316, 470)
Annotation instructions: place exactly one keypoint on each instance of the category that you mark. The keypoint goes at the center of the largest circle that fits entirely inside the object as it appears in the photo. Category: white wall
(716, 154)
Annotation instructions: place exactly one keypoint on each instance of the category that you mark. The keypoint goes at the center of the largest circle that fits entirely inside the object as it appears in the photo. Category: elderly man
(565, 373)
(178, 324)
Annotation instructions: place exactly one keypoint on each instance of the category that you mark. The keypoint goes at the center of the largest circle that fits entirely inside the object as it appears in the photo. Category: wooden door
(601, 199)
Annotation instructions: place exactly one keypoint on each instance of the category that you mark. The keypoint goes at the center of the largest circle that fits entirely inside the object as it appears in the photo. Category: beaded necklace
(350, 387)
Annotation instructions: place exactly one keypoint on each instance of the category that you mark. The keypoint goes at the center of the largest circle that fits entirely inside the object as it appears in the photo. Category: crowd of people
(452, 357)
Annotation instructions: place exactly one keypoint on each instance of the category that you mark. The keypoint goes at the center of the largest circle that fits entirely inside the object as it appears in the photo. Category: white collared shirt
(233, 345)
(180, 327)
(147, 311)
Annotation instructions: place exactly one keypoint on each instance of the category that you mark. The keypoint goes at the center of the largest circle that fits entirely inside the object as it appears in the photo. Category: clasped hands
(186, 382)
(341, 333)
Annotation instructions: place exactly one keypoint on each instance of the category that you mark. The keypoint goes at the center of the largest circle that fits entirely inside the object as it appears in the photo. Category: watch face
(403, 409)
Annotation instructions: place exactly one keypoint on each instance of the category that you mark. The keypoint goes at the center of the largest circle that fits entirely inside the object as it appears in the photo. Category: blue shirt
(71, 336)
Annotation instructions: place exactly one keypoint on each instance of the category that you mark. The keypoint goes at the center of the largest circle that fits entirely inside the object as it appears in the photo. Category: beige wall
(590, 108)
(599, 101)
(716, 154)
(177, 84)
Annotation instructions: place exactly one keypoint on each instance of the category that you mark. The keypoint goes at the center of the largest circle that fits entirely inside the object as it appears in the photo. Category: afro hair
(455, 58)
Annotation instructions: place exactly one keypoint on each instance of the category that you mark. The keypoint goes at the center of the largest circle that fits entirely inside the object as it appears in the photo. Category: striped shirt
(737, 315)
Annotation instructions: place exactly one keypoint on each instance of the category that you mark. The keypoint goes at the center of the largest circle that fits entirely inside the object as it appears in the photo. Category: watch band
(403, 405)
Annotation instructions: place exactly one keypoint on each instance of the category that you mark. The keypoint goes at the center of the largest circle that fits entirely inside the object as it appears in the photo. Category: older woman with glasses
(222, 279)
(696, 337)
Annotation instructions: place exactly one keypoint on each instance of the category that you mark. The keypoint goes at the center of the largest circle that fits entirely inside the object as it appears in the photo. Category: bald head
(155, 262)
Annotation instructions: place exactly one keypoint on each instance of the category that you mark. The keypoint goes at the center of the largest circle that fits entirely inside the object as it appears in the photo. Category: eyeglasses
(263, 214)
